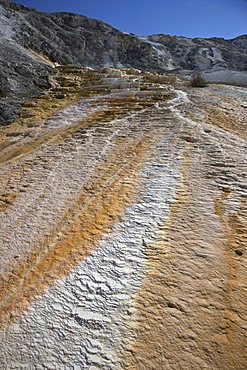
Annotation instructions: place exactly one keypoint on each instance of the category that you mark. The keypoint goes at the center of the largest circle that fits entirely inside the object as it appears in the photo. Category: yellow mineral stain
(100, 205)
(228, 121)
(44, 57)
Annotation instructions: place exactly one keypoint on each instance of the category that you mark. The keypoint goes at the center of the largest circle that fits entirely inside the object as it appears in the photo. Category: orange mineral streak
(232, 121)
(35, 138)
(100, 205)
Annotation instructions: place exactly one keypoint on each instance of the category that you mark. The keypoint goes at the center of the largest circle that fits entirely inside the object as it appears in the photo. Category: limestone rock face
(203, 54)
(33, 42)
(123, 227)
(69, 38)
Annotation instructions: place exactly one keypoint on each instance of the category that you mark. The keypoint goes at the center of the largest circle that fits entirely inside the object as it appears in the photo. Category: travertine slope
(123, 226)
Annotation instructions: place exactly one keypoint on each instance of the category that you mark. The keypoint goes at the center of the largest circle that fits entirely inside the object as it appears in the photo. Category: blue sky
(189, 18)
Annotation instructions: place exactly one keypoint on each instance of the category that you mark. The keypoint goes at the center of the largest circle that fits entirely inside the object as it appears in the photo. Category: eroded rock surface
(123, 228)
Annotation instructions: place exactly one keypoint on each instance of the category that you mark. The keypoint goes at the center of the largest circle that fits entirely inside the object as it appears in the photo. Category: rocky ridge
(32, 42)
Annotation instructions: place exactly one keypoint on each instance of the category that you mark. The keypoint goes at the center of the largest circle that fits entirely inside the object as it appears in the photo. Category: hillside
(123, 210)
(123, 226)
(32, 41)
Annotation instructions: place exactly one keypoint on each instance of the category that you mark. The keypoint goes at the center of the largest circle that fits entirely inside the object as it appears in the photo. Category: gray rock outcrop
(73, 39)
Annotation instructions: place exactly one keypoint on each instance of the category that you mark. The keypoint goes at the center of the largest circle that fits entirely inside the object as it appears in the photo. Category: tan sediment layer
(232, 343)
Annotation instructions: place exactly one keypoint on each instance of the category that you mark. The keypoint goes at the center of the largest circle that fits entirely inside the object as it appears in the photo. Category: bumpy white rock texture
(123, 240)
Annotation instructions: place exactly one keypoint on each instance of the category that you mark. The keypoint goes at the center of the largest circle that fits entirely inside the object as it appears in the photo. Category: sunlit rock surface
(123, 226)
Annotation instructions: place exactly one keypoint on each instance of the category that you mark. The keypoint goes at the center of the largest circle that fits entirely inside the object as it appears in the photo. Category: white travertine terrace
(157, 199)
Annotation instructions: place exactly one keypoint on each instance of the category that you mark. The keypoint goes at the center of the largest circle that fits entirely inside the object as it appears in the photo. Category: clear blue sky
(190, 18)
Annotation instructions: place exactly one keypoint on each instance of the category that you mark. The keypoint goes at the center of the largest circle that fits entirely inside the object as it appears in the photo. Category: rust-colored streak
(100, 205)
(235, 123)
